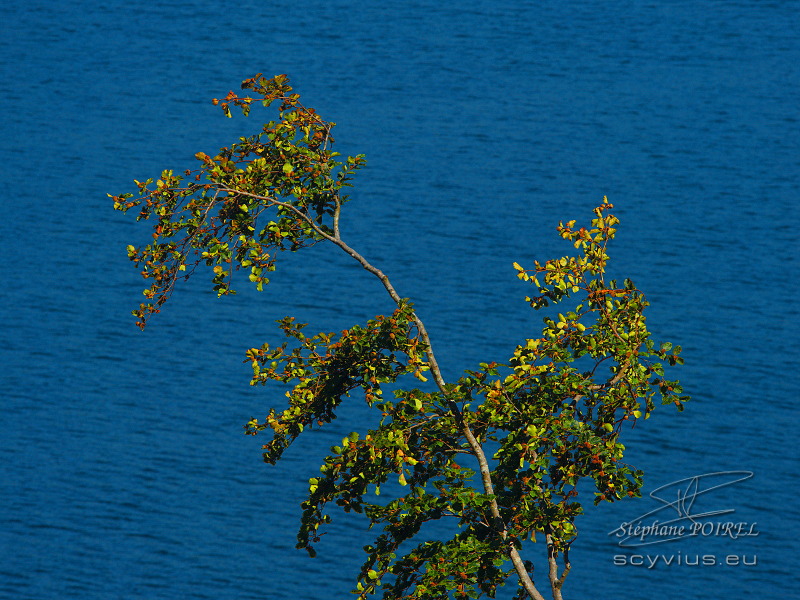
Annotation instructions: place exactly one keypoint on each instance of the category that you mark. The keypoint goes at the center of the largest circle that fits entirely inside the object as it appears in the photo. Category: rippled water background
(123, 469)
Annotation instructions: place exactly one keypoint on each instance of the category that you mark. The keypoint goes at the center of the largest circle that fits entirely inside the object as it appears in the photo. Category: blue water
(123, 469)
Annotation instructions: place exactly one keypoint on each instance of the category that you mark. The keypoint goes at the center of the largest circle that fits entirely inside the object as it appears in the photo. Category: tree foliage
(500, 451)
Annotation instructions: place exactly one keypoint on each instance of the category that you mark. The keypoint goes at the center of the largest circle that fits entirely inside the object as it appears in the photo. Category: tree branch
(475, 446)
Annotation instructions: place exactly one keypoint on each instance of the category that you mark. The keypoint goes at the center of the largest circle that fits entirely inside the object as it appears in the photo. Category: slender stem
(477, 449)
(556, 582)
(336, 212)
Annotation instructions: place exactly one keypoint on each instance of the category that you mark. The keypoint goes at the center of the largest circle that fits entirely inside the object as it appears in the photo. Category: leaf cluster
(554, 412)
(274, 191)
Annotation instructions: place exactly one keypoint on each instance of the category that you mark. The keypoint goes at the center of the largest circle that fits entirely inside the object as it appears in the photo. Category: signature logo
(679, 497)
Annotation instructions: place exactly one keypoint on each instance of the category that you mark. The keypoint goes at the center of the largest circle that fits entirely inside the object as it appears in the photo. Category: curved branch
(475, 446)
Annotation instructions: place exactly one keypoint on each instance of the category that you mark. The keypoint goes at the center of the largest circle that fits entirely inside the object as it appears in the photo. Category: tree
(500, 451)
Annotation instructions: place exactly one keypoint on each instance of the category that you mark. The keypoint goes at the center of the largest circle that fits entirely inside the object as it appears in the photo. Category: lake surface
(123, 469)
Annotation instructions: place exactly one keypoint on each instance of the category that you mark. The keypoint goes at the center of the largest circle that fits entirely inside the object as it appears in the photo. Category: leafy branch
(553, 413)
